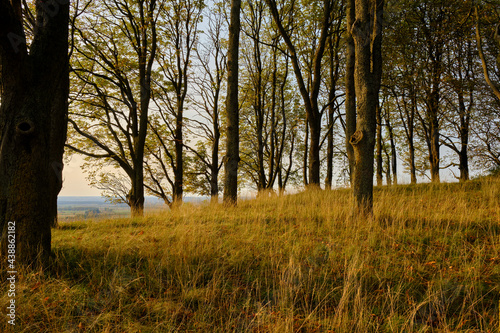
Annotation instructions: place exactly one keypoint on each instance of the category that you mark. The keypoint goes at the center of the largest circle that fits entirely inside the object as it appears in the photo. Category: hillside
(428, 260)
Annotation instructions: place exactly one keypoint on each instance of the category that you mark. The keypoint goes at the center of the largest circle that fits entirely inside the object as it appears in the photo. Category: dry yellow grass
(428, 261)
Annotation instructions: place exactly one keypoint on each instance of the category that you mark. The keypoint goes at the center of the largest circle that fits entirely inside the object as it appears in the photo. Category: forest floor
(427, 261)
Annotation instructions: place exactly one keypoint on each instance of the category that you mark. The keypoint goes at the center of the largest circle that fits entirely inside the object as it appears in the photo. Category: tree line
(172, 97)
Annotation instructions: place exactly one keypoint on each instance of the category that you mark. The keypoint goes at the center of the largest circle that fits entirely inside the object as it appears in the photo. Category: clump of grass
(428, 260)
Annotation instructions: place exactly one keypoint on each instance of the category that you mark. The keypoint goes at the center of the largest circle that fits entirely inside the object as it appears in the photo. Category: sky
(74, 182)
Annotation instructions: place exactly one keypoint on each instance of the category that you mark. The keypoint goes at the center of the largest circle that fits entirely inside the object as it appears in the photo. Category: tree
(461, 79)
(401, 76)
(350, 88)
(116, 44)
(484, 63)
(180, 32)
(486, 141)
(367, 34)
(257, 80)
(33, 118)
(232, 157)
(208, 86)
(334, 51)
(309, 96)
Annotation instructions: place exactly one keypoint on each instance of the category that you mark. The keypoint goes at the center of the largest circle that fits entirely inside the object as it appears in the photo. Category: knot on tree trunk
(25, 128)
(356, 137)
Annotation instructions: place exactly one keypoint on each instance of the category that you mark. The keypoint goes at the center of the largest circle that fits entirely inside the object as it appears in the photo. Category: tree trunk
(179, 163)
(367, 34)
(232, 108)
(334, 75)
(314, 149)
(411, 143)
(214, 168)
(464, 136)
(413, 172)
(306, 154)
(434, 149)
(136, 197)
(33, 118)
(393, 161)
(350, 89)
(379, 147)
(464, 162)
(329, 149)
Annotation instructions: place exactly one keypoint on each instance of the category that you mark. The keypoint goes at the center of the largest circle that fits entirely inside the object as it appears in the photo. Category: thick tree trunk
(350, 89)
(136, 196)
(232, 108)
(32, 128)
(367, 34)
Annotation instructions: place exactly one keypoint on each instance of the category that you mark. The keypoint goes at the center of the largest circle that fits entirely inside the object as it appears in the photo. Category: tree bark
(214, 167)
(393, 162)
(367, 35)
(379, 147)
(411, 131)
(179, 163)
(232, 108)
(350, 88)
(33, 117)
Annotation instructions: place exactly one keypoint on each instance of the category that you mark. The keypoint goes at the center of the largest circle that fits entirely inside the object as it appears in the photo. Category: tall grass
(427, 261)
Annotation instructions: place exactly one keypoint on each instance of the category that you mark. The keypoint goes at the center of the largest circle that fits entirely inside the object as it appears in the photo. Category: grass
(428, 261)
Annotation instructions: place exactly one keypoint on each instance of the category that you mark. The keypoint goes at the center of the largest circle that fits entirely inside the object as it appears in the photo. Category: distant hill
(83, 207)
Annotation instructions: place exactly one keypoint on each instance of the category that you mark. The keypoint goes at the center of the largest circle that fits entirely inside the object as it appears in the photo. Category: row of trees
(165, 95)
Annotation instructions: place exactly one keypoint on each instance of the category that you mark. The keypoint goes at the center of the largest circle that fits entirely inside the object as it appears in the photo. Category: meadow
(428, 260)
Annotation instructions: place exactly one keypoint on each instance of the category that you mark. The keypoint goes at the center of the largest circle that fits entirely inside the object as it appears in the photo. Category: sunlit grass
(428, 260)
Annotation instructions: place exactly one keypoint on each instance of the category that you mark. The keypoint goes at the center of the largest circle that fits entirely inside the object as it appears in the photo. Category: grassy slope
(429, 260)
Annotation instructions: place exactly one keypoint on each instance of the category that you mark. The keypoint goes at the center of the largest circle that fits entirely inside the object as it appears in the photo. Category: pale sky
(74, 182)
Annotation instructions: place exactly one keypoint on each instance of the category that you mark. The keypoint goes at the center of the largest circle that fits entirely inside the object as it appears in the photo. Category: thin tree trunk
(334, 75)
(411, 143)
(379, 147)
(393, 160)
(464, 136)
(214, 168)
(179, 162)
(306, 154)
